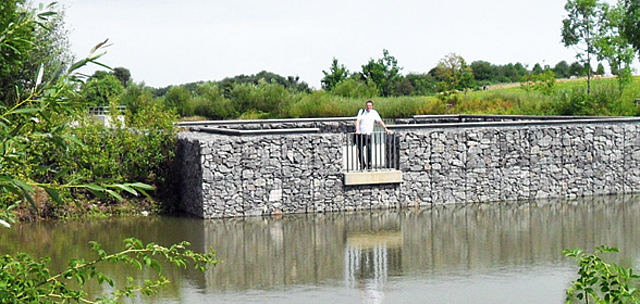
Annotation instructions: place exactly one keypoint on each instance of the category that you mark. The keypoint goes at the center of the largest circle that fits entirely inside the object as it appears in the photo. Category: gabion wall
(232, 176)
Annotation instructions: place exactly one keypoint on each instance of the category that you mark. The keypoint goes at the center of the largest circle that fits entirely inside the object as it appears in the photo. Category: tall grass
(569, 97)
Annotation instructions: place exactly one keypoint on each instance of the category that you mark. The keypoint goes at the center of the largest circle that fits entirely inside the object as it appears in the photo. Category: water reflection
(383, 256)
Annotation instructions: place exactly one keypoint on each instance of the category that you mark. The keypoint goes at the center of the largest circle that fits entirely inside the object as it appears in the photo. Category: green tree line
(268, 95)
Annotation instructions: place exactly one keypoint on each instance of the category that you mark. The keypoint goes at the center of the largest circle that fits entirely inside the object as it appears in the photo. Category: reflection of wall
(370, 247)
(264, 253)
(367, 269)
(303, 249)
(448, 237)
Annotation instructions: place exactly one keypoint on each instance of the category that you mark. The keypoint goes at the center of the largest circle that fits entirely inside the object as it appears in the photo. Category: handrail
(374, 152)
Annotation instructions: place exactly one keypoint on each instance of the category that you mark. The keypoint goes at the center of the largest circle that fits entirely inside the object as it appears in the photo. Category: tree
(403, 87)
(453, 73)
(483, 71)
(600, 69)
(291, 83)
(577, 69)
(178, 98)
(100, 90)
(537, 69)
(423, 84)
(384, 72)
(28, 48)
(612, 45)
(337, 72)
(561, 69)
(630, 25)
(123, 75)
(136, 96)
(580, 29)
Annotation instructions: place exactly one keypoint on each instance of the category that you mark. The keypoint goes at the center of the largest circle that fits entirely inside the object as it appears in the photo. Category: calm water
(490, 253)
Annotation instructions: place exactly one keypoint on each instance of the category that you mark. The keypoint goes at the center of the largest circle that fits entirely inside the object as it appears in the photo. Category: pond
(477, 253)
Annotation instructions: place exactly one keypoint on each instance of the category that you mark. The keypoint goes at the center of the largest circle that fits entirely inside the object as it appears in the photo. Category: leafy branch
(600, 281)
(24, 280)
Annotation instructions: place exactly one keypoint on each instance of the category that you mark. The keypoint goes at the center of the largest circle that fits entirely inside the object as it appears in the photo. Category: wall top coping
(262, 121)
(600, 120)
(415, 118)
(236, 132)
(417, 122)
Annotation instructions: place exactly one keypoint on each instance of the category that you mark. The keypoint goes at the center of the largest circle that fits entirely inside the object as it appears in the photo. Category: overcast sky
(165, 42)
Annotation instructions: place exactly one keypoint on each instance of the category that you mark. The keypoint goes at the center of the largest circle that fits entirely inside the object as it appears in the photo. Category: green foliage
(143, 151)
(543, 82)
(211, 103)
(100, 90)
(291, 83)
(453, 74)
(581, 25)
(31, 40)
(136, 96)
(123, 74)
(483, 71)
(599, 281)
(317, 104)
(337, 73)
(543, 95)
(353, 88)
(562, 70)
(422, 84)
(383, 72)
(272, 98)
(612, 46)
(630, 26)
(177, 98)
(25, 280)
(36, 137)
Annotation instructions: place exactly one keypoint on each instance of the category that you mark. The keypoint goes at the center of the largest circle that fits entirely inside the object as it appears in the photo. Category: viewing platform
(282, 166)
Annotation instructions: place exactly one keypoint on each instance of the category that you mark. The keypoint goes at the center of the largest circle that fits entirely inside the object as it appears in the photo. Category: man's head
(369, 105)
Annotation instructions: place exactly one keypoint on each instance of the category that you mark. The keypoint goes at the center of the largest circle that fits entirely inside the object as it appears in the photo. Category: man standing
(364, 128)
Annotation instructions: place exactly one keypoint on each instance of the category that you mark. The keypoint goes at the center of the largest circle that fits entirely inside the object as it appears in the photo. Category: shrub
(352, 88)
(264, 97)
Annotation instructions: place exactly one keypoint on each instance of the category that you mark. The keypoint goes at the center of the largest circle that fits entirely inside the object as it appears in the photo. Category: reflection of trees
(69, 239)
(363, 249)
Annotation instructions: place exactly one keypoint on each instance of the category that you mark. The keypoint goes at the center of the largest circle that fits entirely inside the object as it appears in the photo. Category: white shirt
(367, 119)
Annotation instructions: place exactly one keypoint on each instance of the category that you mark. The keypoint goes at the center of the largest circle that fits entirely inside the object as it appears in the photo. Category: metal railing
(372, 152)
(104, 110)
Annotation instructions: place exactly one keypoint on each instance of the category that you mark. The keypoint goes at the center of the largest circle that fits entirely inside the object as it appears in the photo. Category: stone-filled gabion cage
(262, 167)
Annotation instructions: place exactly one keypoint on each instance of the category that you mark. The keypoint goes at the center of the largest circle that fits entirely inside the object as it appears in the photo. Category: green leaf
(126, 188)
(143, 186)
(53, 193)
(24, 111)
(114, 194)
(93, 187)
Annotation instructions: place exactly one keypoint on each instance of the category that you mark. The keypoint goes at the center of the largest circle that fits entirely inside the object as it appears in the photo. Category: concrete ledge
(236, 132)
(372, 177)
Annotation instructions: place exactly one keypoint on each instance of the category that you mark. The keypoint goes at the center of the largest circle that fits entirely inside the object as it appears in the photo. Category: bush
(317, 104)
(352, 88)
(264, 97)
